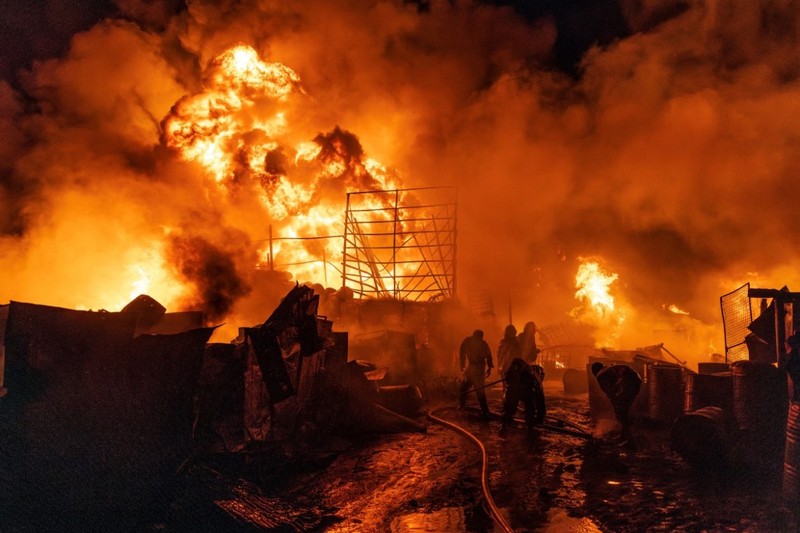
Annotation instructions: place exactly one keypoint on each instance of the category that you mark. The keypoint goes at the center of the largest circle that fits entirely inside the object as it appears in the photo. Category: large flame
(234, 130)
(594, 286)
(702, 102)
(599, 309)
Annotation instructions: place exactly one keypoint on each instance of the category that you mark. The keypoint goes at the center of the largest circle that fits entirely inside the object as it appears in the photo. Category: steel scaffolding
(401, 243)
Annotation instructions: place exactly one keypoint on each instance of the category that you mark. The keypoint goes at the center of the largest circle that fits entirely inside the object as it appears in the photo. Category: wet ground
(541, 481)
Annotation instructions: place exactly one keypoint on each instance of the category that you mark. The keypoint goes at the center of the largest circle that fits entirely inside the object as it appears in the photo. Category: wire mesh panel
(401, 244)
(737, 315)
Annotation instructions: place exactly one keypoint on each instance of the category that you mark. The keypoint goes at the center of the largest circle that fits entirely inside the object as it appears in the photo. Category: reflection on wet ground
(447, 519)
(541, 481)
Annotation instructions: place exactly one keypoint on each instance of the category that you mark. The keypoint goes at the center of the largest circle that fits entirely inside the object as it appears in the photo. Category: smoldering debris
(103, 408)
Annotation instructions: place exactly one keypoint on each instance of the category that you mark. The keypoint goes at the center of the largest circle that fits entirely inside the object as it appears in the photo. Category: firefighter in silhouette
(476, 364)
(527, 343)
(508, 350)
(523, 384)
(621, 384)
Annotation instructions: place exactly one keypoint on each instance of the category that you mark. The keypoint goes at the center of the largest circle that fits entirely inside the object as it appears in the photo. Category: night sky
(42, 29)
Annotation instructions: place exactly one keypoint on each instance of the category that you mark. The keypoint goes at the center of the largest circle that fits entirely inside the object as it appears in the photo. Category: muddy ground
(541, 481)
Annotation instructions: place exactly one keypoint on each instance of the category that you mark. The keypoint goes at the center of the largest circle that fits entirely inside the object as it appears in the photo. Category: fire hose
(493, 509)
(555, 424)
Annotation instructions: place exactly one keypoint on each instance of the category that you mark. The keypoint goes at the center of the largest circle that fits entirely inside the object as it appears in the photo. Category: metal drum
(664, 392)
(712, 368)
(703, 390)
(760, 405)
(791, 458)
(705, 437)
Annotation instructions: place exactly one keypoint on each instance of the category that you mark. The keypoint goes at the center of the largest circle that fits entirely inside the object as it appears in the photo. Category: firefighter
(476, 365)
(527, 343)
(621, 384)
(523, 384)
(508, 350)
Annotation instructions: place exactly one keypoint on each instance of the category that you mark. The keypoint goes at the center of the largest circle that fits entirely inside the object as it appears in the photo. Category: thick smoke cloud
(212, 271)
(670, 157)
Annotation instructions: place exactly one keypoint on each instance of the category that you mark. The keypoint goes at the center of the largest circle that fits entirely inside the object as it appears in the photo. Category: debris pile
(103, 408)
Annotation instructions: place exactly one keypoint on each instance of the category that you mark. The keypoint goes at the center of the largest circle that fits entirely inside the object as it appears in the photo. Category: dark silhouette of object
(527, 343)
(508, 350)
(621, 384)
(476, 364)
(523, 384)
(792, 364)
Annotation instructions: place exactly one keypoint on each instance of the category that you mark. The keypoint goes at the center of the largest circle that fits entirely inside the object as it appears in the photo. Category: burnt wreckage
(100, 410)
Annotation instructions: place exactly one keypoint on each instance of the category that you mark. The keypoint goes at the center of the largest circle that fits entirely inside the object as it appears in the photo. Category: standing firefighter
(621, 384)
(476, 364)
(508, 350)
(527, 343)
(523, 384)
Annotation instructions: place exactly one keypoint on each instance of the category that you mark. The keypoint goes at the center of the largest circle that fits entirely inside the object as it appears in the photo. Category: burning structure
(177, 137)
(204, 153)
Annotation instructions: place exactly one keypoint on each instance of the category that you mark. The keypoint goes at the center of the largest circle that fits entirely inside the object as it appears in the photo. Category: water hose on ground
(493, 510)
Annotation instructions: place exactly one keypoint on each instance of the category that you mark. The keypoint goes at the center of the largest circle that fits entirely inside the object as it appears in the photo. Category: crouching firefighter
(523, 384)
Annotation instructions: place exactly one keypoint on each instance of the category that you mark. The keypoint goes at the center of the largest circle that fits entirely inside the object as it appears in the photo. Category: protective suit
(524, 384)
(508, 350)
(476, 364)
(621, 384)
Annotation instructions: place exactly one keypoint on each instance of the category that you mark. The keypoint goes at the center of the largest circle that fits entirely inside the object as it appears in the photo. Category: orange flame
(233, 131)
(593, 285)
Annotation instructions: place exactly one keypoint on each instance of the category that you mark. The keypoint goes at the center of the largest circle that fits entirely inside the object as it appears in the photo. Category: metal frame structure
(401, 243)
(737, 314)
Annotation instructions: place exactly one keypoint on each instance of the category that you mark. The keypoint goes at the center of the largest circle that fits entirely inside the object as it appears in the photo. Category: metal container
(705, 437)
(712, 368)
(703, 390)
(760, 405)
(791, 457)
(664, 392)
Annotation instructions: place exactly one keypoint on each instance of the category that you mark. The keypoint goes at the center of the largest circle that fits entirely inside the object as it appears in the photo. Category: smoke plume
(669, 155)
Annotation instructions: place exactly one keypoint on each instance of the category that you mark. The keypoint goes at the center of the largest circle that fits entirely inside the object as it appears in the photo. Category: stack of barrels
(739, 411)
(742, 412)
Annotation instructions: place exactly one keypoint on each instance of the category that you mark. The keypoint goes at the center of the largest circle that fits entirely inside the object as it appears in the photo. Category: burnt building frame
(401, 243)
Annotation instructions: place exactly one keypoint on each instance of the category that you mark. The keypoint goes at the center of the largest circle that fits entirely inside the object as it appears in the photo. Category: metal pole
(271, 262)
(394, 244)
(455, 246)
(344, 246)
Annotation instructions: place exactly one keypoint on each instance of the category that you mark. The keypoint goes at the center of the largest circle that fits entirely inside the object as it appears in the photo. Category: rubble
(104, 407)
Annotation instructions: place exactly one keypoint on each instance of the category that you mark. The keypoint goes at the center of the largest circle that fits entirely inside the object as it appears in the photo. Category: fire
(593, 285)
(600, 309)
(234, 129)
(212, 127)
(677, 310)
